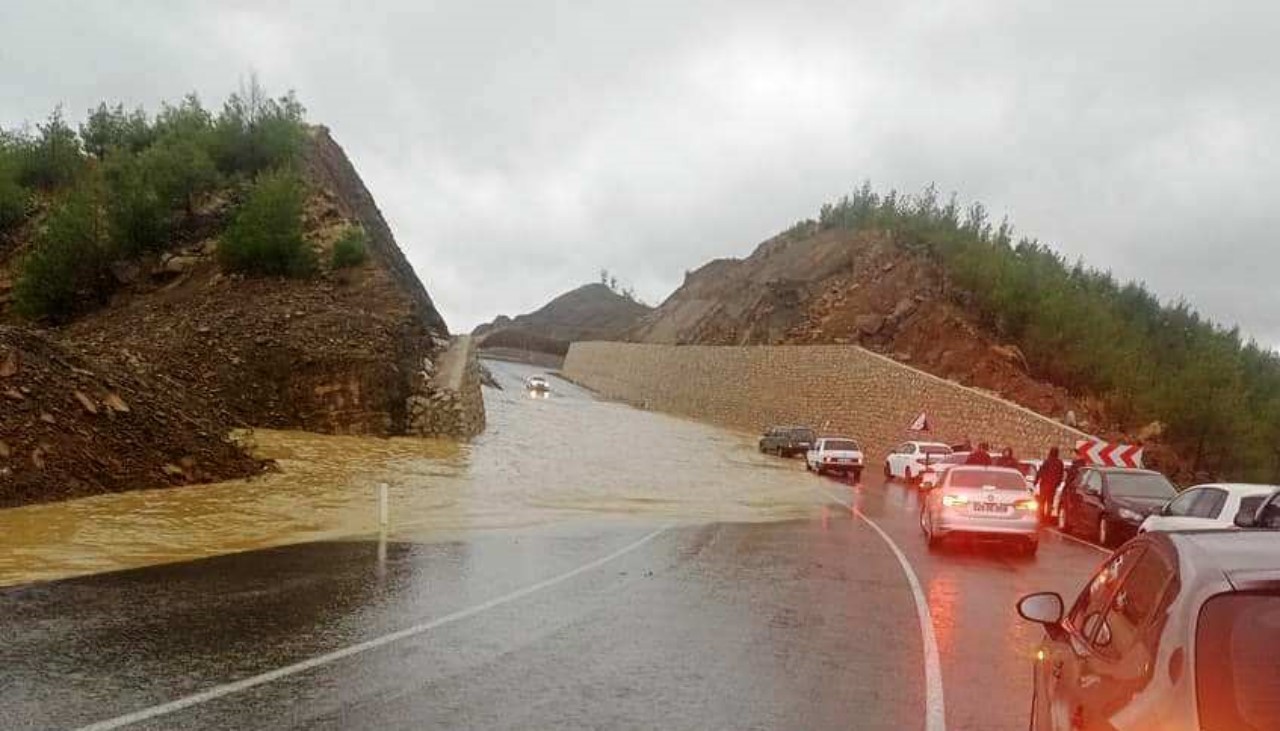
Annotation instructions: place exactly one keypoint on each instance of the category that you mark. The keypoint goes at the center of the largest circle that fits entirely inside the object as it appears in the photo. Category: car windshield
(841, 445)
(1237, 683)
(999, 479)
(1140, 484)
(935, 449)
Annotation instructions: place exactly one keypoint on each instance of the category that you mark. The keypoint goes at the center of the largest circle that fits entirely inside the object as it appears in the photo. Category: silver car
(989, 502)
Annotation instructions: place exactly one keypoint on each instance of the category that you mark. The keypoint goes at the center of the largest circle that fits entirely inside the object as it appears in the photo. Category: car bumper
(841, 465)
(1018, 523)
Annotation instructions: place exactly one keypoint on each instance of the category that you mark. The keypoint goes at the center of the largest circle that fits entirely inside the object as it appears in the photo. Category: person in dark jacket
(1047, 481)
(980, 456)
(1006, 459)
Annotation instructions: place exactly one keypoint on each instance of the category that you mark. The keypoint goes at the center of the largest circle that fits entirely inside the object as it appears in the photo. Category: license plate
(990, 508)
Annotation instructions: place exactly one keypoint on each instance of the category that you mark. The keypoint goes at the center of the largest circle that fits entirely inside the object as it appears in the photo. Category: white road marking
(315, 662)
(935, 707)
(1070, 537)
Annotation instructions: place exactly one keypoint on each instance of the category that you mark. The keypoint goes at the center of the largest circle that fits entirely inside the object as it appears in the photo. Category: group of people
(1051, 473)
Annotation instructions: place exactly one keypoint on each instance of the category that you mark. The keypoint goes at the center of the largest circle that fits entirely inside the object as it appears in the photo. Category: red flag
(921, 423)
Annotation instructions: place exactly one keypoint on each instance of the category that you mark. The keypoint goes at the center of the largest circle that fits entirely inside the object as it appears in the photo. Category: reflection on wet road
(763, 604)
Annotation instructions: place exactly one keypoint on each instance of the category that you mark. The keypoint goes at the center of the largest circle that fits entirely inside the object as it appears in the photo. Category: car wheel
(856, 475)
(888, 473)
(1030, 547)
(821, 470)
(906, 475)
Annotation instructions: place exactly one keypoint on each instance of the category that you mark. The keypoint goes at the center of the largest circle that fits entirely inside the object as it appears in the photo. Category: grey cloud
(518, 147)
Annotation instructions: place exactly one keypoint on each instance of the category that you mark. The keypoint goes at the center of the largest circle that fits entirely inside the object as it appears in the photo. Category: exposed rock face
(70, 427)
(142, 392)
(590, 312)
(339, 353)
(838, 287)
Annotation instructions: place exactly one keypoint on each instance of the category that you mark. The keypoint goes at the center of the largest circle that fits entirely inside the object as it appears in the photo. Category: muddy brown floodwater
(567, 457)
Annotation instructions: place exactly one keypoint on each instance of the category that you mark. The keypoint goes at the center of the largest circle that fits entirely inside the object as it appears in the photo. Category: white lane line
(935, 718)
(1070, 537)
(315, 662)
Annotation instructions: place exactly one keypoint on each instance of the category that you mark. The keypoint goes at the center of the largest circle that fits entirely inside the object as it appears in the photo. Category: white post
(383, 508)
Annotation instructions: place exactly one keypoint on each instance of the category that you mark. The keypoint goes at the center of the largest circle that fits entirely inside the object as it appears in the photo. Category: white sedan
(835, 454)
(1208, 506)
(908, 460)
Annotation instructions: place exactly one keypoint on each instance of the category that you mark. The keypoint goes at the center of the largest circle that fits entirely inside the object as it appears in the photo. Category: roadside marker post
(383, 519)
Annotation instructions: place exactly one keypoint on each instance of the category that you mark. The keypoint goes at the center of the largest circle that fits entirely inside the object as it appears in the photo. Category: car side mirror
(1044, 608)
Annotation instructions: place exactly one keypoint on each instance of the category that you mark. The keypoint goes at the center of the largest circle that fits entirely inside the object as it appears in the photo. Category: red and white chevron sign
(1109, 454)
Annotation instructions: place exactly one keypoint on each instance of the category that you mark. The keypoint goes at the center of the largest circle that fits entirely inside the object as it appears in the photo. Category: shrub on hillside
(14, 199)
(265, 238)
(52, 159)
(68, 268)
(255, 132)
(112, 128)
(350, 250)
(1079, 328)
(138, 216)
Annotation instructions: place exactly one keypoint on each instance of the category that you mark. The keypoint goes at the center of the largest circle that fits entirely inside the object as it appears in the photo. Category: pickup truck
(835, 454)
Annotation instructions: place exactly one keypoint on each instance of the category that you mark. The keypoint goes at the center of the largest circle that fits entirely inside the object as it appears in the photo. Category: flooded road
(583, 565)
(561, 458)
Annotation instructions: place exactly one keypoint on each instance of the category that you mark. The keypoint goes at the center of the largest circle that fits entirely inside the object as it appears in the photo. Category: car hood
(1141, 505)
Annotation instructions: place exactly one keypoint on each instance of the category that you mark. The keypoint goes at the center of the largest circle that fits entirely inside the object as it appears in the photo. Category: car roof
(929, 444)
(1123, 470)
(837, 436)
(1237, 554)
(1241, 488)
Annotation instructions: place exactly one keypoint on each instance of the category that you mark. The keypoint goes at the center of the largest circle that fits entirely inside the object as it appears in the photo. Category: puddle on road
(541, 461)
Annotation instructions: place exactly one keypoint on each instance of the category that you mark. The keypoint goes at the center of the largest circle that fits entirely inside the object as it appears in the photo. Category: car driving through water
(841, 455)
(986, 502)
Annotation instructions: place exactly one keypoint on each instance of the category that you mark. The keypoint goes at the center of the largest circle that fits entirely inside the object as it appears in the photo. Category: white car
(987, 502)
(932, 474)
(835, 454)
(537, 383)
(1208, 506)
(908, 460)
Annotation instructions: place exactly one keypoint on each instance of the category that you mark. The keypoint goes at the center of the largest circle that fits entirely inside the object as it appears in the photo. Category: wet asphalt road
(624, 623)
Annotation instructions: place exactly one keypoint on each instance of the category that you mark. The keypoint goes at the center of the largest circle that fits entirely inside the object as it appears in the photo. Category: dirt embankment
(839, 287)
(193, 352)
(73, 427)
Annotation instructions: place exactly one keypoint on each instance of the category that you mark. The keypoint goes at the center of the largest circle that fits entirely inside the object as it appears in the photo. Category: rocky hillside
(590, 312)
(71, 427)
(841, 286)
(141, 325)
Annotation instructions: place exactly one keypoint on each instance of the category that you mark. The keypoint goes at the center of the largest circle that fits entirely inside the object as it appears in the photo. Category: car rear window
(1237, 676)
(842, 445)
(935, 449)
(1000, 479)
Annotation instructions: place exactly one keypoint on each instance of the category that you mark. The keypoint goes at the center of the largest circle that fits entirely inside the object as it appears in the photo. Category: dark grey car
(787, 441)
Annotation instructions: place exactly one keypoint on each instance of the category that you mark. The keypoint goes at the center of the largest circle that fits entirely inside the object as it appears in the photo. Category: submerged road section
(665, 576)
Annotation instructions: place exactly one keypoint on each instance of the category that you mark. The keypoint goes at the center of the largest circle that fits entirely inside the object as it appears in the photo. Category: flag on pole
(921, 423)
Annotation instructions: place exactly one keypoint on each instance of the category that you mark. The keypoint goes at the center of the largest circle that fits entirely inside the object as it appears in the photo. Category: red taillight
(954, 500)
(1030, 504)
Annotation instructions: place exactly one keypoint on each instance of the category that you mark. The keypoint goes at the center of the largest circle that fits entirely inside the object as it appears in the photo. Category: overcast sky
(516, 148)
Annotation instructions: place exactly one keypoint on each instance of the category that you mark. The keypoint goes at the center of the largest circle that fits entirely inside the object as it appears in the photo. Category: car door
(1063, 671)
(811, 454)
(1123, 648)
(1090, 499)
(901, 458)
(1179, 513)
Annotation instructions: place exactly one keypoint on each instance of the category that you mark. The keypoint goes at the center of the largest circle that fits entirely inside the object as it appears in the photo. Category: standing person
(1047, 481)
(980, 456)
(1006, 459)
